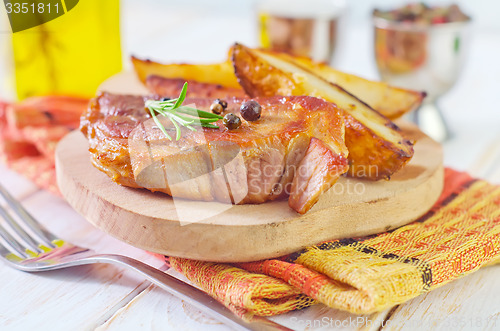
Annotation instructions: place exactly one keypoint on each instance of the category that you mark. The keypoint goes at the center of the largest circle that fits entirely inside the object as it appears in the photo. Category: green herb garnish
(176, 113)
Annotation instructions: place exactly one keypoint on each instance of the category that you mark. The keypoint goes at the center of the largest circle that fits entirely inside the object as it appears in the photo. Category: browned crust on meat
(111, 120)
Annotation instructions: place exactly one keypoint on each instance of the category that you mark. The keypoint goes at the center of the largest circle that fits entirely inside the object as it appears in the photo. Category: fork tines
(22, 234)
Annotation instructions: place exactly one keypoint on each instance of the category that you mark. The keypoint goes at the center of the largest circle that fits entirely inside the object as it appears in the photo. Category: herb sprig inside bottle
(176, 113)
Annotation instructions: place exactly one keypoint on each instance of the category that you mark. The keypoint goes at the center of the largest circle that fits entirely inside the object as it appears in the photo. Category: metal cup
(301, 28)
(426, 58)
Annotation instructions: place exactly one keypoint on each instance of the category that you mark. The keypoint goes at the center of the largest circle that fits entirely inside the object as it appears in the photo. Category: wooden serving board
(221, 232)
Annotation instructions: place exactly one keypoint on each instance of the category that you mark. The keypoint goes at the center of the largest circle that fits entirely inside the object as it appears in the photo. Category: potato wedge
(216, 73)
(376, 147)
(392, 102)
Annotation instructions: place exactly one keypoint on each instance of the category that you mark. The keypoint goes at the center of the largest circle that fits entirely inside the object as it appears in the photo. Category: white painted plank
(155, 309)
(495, 176)
(488, 163)
(55, 214)
(465, 150)
(17, 185)
(169, 315)
(321, 318)
(469, 303)
(68, 299)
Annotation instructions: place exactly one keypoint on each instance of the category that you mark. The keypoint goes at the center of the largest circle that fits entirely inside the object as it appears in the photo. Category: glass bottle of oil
(71, 54)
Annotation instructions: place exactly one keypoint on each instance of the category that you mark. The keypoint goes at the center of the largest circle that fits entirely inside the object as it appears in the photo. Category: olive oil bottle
(71, 54)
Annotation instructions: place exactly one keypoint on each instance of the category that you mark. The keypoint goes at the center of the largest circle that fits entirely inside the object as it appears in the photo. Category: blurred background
(202, 31)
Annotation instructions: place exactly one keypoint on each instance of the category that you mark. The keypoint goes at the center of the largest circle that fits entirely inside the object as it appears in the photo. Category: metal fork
(26, 245)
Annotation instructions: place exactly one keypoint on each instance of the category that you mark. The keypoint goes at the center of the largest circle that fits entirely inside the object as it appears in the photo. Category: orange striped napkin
(459, 235)
(30, 130)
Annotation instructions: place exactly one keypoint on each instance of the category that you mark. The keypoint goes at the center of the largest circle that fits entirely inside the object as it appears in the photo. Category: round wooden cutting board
(221, 232)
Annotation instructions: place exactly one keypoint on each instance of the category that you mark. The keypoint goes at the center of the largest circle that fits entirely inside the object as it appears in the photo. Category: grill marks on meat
(295, 150)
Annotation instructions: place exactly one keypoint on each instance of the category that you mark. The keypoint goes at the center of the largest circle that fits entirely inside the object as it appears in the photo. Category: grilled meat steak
(296, 150)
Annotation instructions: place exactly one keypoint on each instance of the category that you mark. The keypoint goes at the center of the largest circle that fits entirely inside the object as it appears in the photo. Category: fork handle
(186, 292)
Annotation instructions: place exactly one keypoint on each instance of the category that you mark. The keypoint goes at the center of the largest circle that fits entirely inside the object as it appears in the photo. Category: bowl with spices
(423, 48)
(303, 28)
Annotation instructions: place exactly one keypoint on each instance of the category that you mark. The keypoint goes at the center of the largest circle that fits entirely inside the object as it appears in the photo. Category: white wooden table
(108, 298)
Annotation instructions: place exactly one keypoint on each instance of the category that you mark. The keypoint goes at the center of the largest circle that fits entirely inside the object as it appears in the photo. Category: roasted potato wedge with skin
(376, 147)
(172, 87)
(216, 73)
(392, 102)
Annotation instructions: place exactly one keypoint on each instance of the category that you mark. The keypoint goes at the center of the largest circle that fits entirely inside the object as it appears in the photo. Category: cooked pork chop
(296, 150)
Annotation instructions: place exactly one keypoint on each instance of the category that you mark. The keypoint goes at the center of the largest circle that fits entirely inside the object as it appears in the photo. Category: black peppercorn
(251, 110)
(223, 103)
(231, 121)
(216, 108)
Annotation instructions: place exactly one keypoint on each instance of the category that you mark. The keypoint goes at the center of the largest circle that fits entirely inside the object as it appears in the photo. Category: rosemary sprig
(176, 113)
